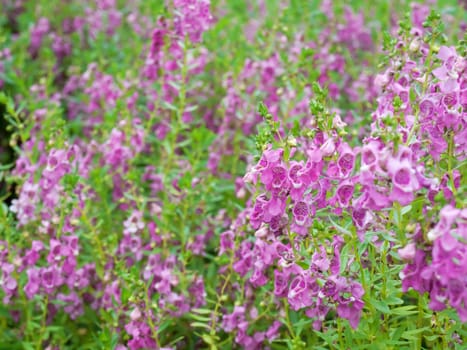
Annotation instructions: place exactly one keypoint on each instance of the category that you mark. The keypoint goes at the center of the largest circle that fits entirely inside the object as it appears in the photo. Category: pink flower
(408, 252)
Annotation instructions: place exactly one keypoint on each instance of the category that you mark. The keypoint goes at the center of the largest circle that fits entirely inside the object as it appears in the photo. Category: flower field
(216, 174)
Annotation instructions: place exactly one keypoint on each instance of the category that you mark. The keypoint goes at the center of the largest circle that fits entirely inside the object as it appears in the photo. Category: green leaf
(406, 209)
(414, 334)
(340, 228)
(381, 306)
(344, 257)
(211, 340)
(6, 166)
(163, 327)
(170, 106)
(200, 318)
(200, 325)
(392, 300)
(202, 311)
(431, 337)
(405, 310)
(28, 346)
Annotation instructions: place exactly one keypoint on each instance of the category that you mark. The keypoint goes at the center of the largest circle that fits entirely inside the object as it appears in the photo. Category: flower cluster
(437, 266)
(418, 112)
(295, 191)
(193, 18)
(428, 102)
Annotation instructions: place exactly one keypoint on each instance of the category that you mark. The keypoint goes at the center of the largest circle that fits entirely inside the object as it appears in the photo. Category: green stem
(424, 88)
(148, 316)
(339, 331)
(177, 125)
(43, 324)
(287, 319)
(221, 294)
(418, 343)
(450, 158)
(97, 242)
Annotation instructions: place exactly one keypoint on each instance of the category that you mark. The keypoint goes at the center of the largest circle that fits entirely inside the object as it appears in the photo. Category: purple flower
(273, 330)
(346, 159)
(38, 33)
(50, 279)
(8, 282)
(231, 321)
(408, 252)
(411, 274)
(448, 216)
(299, 295)
(226, 242)
(403, 176)
(297, 180)
(198, 292)
(344, 193)
(320, 261)
(194, 18)
(448, 72)
(111, 295)
(275, 207)
(32, 255)
(274, 177)
(351, 308)
(302, 218)
(157, 42)
(31, 288)
(281, 283)
(73, 304)
(427, 107)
